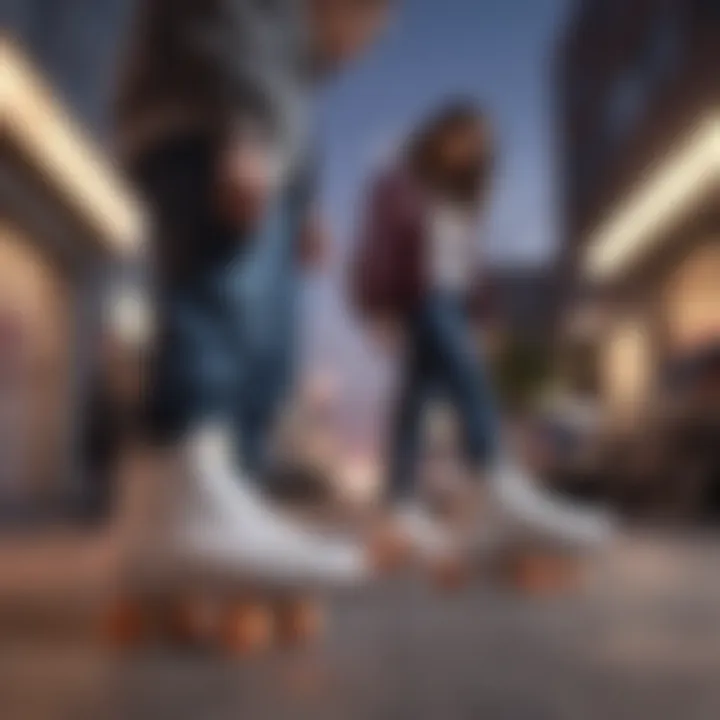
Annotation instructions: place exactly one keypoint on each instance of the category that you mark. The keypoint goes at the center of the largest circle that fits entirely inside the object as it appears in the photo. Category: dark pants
(442, 358)
(225, 305)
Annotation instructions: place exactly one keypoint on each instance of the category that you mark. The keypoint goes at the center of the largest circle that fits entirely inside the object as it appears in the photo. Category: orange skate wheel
(388, 549)
(545, 574)
(299, 621)
(451, 574)
(193, 622)
(247, 627)
(127, 624)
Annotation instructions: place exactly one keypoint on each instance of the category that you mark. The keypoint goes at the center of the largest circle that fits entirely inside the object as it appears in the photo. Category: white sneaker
(207, 524)
(520, 510)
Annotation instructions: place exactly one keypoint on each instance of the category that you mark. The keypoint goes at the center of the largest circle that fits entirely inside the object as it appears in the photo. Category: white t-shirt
(452, 236)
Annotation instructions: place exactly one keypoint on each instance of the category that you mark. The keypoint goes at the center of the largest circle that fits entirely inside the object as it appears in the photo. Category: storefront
(36, 323)
(692, 298)
(659, 255)
(67, 224)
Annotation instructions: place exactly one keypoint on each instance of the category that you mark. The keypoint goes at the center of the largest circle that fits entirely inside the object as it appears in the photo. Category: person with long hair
(418, 278)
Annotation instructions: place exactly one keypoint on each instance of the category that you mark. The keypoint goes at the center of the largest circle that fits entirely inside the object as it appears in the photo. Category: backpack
(387, 260)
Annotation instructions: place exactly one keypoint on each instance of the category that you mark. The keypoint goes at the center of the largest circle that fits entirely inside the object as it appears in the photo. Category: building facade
(639, 126)
(68, 224)
(75, 45)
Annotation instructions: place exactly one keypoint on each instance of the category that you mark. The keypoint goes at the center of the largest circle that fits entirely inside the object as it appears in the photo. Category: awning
(34, 121)
(671, 190)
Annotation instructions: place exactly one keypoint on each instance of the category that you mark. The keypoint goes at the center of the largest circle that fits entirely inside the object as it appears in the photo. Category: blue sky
(499, 51)
(496, 50)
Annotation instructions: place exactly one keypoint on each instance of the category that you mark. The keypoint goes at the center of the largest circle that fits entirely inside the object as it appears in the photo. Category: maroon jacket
(390, 274)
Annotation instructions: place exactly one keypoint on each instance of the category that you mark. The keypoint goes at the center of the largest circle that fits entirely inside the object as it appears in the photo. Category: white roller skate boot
(205, 532)
(534, 538)
(414, 535)
(519, 507)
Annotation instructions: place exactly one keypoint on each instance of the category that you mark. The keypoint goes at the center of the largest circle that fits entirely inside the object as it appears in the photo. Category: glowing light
(669, 193)
(36, 122)
(627, 366)
(130, 317)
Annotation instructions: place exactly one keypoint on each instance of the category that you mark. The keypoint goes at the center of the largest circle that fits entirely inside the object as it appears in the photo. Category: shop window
(692, 300)
(35, 373)
(628, 367)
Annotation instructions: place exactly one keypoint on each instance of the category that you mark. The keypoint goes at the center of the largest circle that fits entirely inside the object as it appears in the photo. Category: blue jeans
(443, 359)
(225, 305)
(266, 290)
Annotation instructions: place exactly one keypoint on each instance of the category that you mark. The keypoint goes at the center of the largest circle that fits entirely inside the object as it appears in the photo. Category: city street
(348, 262)
(642, 642)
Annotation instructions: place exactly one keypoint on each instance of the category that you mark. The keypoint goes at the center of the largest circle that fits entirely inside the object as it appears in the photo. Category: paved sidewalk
(643, 642)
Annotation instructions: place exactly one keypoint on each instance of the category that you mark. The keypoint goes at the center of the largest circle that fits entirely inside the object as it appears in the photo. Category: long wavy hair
(467, 183)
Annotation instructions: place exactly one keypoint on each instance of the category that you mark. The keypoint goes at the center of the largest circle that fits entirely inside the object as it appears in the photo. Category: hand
(314, 242)
(248, 173)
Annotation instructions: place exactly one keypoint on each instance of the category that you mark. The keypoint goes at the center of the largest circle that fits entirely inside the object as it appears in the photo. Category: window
(626, 103)
(663, 52)
(659, 56)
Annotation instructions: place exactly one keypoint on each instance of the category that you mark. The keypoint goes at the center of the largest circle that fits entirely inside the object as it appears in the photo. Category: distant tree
(522, 370)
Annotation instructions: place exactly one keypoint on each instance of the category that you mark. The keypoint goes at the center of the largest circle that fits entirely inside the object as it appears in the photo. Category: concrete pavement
(642, 642)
